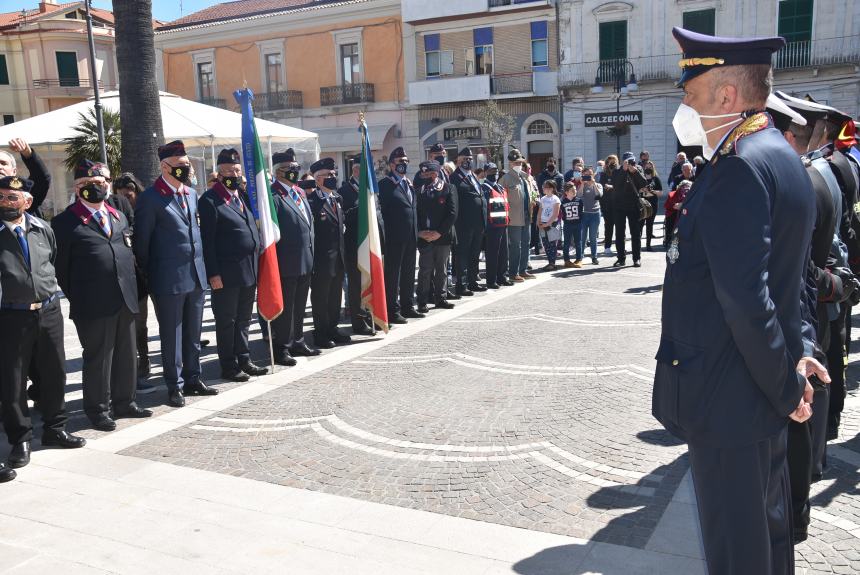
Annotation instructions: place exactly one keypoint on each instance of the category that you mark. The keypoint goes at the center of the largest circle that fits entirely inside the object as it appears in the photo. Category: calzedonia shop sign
(609, 120)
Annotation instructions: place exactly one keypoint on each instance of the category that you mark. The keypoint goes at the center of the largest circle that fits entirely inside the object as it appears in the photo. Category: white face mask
(688, 127)
(518, 169)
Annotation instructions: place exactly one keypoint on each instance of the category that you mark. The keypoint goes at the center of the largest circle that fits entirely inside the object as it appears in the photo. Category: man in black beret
(437, 213)
(32, 324)
(732, 365)
(329, 252)
(398, 203)
(95, 269)
(471, 223)
(231, 250)
(169, 249)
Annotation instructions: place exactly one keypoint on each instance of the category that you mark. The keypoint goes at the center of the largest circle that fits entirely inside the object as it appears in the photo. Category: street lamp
(624, 84)
(95, 84)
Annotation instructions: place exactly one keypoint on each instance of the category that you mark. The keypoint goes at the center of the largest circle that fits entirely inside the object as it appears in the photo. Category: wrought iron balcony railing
(217, 102)
(66, 83)
(346, 94)
(512, 83)
(272, 101)
(823, 52)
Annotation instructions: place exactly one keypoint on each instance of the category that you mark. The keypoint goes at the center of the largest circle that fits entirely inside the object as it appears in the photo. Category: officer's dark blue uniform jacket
(167, 242)
(231, 241)
(726, 365)
(296, 246)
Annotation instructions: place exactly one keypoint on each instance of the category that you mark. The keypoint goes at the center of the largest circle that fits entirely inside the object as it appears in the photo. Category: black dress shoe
(324, 344)
(412, 314)
(204, 342)
(452, 295)
(64, 439)
(397, 319)
(464, 292)
(251, 369)
(133, 411)
(637, 264)
(285, 359)
(236, 375)
(423, 308)
(338, 336)
(303, 350)
(619, 264)
(475, 287)
(103, 423)
(493, 286)
(6, 473)
(198, 388)
(363, 329)
(444, 304)
(19, 456)
(175, 398)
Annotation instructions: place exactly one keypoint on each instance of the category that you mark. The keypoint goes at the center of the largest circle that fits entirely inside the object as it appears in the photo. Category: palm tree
(138, 88)
(85, 145)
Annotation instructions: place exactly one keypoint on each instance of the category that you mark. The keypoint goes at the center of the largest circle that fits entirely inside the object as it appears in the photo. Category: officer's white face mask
(688, 127)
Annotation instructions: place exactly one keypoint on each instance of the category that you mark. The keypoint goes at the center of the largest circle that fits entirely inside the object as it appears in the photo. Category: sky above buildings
(165, 10)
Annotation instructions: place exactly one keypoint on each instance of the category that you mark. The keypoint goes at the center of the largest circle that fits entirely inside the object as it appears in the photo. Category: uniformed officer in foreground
(327, 280)
(32, 324)
(471, 223)
(295, 252)
(437, 213)
(95, 268)
(169, 250)
(231, 251)
(728, 382)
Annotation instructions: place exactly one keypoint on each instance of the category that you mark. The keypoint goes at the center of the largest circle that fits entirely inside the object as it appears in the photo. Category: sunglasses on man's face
(11, 198)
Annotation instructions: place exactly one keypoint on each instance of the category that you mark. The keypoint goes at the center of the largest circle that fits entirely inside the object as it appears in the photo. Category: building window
(701, 21)
(205, 81)
(4, 72)
(274, 71)
(613, 50)
(540, 45)
(539, 127)
(67, 68)
(8, 119)
(350, 64)
(439, 63)
(479, 59)
(795, 25)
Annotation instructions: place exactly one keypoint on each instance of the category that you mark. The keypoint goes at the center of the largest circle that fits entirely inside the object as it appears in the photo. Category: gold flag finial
(361, 117)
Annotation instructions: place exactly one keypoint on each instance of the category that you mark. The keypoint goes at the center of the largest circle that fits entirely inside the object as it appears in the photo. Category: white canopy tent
(198, 125)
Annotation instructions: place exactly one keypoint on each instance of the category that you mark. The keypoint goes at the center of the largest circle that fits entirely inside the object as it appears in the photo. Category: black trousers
(289, 327)
(110, 361)
(25, 335)
(799, 472)
(353, 292)
(744, 503)
(836, 369)
(432, 275)
(233, 308)
(468, 253)
(631, 218)
(497, 254)
(399, 269)
(608, 224)
(818, 429)
(141, 331)
(326, 295)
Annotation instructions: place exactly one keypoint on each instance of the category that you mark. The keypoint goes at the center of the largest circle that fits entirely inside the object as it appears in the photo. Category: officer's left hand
(215, 282)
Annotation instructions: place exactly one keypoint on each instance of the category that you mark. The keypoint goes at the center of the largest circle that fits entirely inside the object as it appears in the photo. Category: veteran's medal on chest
(673, 253)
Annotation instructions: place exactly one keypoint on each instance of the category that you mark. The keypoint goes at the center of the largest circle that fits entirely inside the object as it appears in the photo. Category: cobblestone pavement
(532, 411)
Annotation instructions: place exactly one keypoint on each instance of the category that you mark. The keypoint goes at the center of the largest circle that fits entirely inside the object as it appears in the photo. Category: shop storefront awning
(349, 139)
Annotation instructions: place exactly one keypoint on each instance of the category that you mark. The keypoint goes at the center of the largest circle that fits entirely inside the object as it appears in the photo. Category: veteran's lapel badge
(673, 253)
(126, 238)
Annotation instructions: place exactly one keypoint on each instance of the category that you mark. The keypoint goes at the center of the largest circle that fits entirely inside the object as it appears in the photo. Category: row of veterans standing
(750, 367)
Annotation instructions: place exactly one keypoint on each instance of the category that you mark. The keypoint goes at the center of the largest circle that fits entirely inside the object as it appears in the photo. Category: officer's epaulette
(755, 123)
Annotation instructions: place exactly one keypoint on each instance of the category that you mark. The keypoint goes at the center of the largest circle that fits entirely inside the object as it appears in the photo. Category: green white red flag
(369, 247)
(270, 300)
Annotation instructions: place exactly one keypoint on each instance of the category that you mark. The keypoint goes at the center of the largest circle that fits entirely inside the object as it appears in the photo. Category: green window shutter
(613, 40)
(4, 72)
(795, 20)
(701, 21)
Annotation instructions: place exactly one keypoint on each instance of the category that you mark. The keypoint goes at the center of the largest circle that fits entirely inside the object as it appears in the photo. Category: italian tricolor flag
(369, 249)
(270, 300)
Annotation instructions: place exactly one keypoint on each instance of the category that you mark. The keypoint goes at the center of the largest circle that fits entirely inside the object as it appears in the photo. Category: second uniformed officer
(231, 250)
(437, 212)
(728, 382)
(295, 259)
(95, 268)
(471, 221)
(169, 250)
(32, 324)
(327, 280)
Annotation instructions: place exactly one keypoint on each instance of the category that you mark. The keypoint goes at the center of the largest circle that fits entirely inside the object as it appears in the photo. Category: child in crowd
(571, 210)
(547, 223)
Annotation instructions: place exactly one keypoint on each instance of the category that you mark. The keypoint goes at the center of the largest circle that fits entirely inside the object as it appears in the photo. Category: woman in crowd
(673, 206)
(610, 165)
(652, 194)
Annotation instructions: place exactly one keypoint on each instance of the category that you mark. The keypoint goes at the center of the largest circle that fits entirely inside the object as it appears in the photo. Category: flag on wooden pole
(270, 300)
(369, 248)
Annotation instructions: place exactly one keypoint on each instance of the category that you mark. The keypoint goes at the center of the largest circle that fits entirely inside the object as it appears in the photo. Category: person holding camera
(626, 183)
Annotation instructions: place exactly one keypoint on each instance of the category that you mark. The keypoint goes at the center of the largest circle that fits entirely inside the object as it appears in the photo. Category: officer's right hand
(215, 282)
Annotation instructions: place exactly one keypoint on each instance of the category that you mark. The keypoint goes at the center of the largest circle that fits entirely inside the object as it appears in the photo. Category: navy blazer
(296, 247)
(729, 377)
(95, 272)
(348, 192)
(329, 247)
(231, 241)
(167, 243)
(399, 211)
(471, 205)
